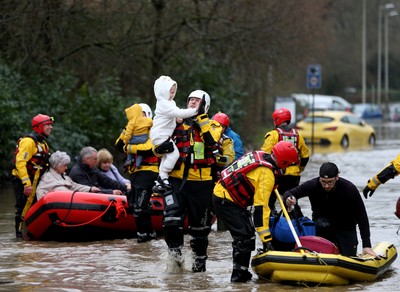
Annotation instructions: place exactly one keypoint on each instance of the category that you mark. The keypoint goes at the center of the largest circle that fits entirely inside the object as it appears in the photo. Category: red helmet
(39, 121)
(221, 118)
(285, 154)
(281, 115)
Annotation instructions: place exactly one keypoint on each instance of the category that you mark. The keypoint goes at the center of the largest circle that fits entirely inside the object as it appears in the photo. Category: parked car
(394, 112)
(322, 102)
(368, 111)
(336, 127)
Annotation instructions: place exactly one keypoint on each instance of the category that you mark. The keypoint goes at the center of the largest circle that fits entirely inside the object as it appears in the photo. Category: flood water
(124, 265)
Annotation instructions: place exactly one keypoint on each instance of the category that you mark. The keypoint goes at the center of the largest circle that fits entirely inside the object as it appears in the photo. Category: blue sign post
(313, 82)
(314, 76)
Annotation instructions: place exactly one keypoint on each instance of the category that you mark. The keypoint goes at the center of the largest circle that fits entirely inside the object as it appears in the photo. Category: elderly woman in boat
(55, 179)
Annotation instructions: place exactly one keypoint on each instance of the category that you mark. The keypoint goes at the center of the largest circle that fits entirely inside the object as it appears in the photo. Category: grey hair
(87, 152)
(59, 158)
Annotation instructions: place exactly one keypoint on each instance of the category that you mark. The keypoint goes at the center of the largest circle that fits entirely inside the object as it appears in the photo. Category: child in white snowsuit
(164, 123)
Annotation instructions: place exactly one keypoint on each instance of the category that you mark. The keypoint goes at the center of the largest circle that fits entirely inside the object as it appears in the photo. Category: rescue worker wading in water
(249, 181)
(192, 185)
(31, 160)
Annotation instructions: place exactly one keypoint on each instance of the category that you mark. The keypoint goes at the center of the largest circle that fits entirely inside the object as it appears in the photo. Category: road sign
(314, 76)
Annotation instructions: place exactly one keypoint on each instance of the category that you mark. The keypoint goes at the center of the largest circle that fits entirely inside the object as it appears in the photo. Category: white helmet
(199, 94)
(147, 110)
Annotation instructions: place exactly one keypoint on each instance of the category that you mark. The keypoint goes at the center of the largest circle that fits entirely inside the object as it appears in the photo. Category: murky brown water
(124, 265)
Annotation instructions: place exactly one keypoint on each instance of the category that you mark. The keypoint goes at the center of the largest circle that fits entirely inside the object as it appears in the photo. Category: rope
(31, 197)
(63, 224)
(120, 209)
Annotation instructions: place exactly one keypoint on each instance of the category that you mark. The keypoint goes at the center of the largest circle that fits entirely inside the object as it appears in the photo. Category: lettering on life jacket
(234, 179)
(290, 135)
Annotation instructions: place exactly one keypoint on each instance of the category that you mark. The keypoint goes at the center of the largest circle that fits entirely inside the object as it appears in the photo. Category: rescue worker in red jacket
(283, 132)
(249, 181)
(31, 160)
(192, 184)
(142, 181)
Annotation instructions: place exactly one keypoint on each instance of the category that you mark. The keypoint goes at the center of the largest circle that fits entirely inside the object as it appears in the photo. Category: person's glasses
(327, 182)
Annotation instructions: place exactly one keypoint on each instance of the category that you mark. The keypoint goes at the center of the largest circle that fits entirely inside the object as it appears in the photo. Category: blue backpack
(280, 229)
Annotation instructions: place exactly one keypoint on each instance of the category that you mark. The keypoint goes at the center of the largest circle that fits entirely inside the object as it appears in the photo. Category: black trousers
(20, 201)
(346, 240)
(240, 225)
(142, 183)
(192, 199)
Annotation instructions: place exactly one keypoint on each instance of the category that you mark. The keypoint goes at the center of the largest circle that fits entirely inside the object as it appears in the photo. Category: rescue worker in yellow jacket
(31, 160)
(283, 132)
(389, 172)
(142, 181)
(192, 184)
(249, 181)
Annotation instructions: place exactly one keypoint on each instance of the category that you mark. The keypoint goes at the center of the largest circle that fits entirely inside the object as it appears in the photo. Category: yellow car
(337, 128)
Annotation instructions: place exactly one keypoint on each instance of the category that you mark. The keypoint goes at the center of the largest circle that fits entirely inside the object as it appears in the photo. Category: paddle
(289, 221)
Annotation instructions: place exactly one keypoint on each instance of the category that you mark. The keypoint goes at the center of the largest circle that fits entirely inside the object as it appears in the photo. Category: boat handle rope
(307, 249)
(119, 207)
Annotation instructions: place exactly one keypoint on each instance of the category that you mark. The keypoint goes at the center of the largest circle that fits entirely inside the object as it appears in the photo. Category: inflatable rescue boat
(305, 266)
(77, 216)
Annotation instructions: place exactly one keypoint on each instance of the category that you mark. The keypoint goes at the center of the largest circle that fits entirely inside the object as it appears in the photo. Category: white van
(322, 102)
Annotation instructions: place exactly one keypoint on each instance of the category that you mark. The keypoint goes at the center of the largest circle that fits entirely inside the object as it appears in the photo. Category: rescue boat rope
(63, 224)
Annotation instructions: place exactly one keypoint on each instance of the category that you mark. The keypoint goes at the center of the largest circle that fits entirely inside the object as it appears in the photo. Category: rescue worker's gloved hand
(165, 147)
(370, 188)
(221, 159)
(202, 106)
(367, 192)
(267, 246)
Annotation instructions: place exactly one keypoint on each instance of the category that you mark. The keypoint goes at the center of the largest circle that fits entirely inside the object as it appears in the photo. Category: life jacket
(234, 177)
(287, 134)
(150, 160)
(192, 149)
(39, 160)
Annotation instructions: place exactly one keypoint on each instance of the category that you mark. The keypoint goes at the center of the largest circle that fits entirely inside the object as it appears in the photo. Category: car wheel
(372, 140)
(345, 141)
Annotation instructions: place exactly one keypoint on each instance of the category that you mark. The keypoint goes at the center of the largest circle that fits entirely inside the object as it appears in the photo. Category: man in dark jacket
(337, 208)
(85, 173)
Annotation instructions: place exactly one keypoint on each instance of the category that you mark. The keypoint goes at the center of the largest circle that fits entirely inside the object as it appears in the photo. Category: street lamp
(364, 52)
(387, 15)
(386, 6)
